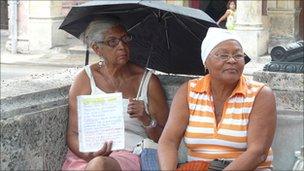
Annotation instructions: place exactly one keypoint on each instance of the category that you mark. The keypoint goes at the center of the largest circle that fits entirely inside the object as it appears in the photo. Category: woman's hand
(136, 109)
(106, 150)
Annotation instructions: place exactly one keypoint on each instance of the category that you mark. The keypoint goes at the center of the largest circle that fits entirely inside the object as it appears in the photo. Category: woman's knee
(103, 163)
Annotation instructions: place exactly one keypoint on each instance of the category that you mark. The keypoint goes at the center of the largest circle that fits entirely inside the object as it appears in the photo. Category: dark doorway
(4, 14)
(214, 8)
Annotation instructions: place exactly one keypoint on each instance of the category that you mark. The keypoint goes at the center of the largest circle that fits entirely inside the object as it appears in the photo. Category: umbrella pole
(87, 56)
(148, 61)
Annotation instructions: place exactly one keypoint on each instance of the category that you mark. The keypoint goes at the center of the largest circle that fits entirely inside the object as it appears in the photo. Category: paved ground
(16, 71)
(16, 66)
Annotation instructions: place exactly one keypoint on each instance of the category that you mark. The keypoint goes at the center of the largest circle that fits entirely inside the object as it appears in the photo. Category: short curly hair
(96, 29)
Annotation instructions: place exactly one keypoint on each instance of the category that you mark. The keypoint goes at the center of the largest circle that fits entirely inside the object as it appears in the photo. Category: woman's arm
(80, 86)
(223, 17)
(261, 129)
(157, 107)
(174, 130)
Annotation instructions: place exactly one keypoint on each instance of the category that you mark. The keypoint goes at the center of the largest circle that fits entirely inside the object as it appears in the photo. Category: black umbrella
(166, 37)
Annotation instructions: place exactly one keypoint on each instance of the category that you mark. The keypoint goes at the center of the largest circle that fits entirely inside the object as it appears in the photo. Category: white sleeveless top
(134, 131)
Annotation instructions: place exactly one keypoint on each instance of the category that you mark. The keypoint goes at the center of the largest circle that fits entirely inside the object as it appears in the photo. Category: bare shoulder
(265, 94)
(81, 84)
(154, 79)
(228, 12)
(183, 89)
(264, 104)
(136, 69)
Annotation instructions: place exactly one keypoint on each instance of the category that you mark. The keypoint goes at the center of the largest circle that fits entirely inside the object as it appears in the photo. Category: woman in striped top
(221, 115)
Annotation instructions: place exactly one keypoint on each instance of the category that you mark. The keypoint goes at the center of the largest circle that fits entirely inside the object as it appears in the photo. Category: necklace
(116, 86)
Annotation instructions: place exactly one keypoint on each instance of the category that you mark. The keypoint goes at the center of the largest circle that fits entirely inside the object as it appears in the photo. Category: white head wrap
(213, 37)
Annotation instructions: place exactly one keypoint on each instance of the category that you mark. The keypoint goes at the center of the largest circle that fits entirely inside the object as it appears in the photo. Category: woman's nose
(121, 44)
(231, 59)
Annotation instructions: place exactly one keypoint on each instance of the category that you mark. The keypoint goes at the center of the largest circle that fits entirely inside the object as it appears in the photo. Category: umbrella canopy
(165, 37)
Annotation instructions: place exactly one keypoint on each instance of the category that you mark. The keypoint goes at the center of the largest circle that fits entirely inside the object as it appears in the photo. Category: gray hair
(96, 29)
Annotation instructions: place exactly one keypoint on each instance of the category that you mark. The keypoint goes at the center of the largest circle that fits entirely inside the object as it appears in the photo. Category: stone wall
(34, 121)
(288, 138)
(284, 17)
(34, 141)
(288, 89)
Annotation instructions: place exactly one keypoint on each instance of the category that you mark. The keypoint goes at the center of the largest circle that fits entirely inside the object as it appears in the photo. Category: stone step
(80, 51)
(256, 65)
(76, 47)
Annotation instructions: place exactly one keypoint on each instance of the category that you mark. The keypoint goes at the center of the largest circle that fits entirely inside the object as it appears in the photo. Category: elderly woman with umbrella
(164, 37)
(227, 121)
(145, 112)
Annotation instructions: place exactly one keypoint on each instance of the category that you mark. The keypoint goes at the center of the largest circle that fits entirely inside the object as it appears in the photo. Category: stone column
(249, 27)
(44, 21)
(22, 45)
(284, 19)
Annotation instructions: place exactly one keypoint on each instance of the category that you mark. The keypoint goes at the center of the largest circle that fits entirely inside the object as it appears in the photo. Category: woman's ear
(96, 49)
(206, 69)
(206, 63)
(206, 66)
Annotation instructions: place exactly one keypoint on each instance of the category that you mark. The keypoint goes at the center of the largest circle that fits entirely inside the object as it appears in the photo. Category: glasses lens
(113, 42)
(126, 38)
(223, 57)
(239, 57)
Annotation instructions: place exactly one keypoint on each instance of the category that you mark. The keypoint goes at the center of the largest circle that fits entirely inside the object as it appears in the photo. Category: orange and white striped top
(207, 141)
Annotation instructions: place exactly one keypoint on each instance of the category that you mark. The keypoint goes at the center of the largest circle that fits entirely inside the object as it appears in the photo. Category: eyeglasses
(226, 57)
(113, 42)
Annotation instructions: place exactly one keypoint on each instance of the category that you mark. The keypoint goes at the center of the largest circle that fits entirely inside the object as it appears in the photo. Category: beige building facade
(261, 24)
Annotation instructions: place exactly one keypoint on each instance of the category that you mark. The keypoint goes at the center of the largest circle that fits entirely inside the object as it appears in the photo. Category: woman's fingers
(101, 151)
(105, 150)
(134, 113)
(135, 108)
(133, 102)
(109, 148)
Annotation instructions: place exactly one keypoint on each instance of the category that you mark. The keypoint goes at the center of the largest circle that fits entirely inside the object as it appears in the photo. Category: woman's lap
(126, 159)
(72, 162)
